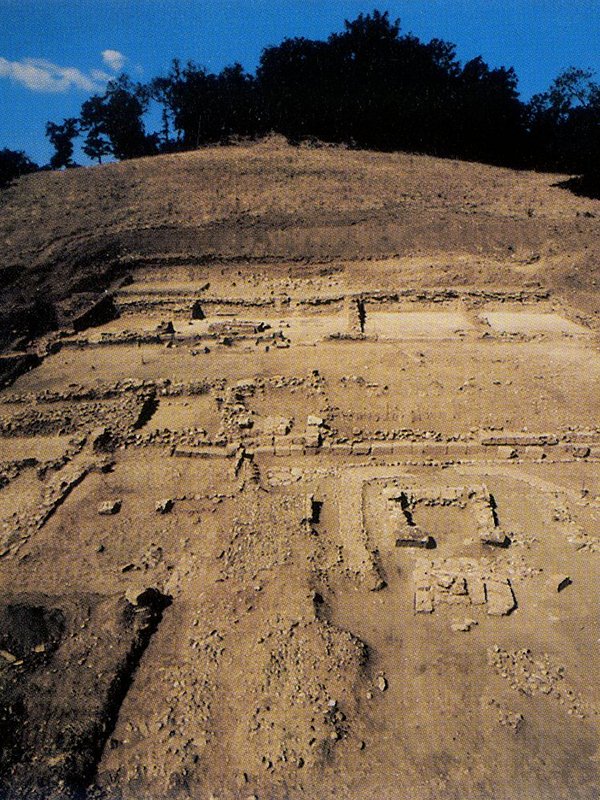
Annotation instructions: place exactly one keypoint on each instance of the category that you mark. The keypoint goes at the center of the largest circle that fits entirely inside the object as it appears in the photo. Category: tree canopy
(369, 85)
(61, 138)
(113, 122)
(13, 164)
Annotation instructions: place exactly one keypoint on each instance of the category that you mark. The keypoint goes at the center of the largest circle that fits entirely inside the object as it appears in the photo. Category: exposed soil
(308, 506)
(442, 222)
(65, 665)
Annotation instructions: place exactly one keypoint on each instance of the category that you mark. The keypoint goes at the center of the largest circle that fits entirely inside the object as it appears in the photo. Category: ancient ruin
(275, 528)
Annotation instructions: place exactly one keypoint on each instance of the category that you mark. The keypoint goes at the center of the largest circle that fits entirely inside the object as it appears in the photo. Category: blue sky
(56, 53)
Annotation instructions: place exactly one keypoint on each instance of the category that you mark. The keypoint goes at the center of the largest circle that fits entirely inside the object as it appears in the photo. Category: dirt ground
(315, 513)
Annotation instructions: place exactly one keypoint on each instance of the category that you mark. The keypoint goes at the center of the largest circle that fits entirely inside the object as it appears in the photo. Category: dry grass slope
(469, 223)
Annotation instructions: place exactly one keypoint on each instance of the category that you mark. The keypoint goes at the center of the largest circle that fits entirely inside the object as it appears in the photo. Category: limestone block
(476, 588)
(423, 600)
(500, 597)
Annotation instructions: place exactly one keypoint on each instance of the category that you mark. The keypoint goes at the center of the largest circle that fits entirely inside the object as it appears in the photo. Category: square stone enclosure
(401, 504)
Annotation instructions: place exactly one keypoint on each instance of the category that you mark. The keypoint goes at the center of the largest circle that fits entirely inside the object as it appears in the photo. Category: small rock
(459, 626)
(382, 683)
(459, 586)
(8, 656)
(445, 581)
(464, 625)
(109, 507)
(561, 582)
(500, 598)
(143, 596)
(164, 506)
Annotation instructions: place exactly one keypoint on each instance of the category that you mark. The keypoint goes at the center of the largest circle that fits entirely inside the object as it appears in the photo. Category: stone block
(560, 582)
(476, 588)
(500, 597)
(494, 536)
(342, 449)
(423, 600)
(382, 448)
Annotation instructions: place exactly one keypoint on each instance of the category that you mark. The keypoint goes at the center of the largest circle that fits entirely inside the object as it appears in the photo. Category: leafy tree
(159, 91)
(239, 106)
(113, 122)
(400, 84)
(204, 107)
(489, 115)
(297, 82)
(61, 138)
(573, 88)
(95, 146)
(94, 123)
(368, 85)
(13, 164)
(564, 125)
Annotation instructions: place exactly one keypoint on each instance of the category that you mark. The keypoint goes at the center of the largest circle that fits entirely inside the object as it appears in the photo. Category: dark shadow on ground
(582, 187)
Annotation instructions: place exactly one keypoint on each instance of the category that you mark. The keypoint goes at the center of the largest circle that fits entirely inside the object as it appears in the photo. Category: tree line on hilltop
(369, 86)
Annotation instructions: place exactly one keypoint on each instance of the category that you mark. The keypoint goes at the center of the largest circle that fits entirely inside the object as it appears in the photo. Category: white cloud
(113, 59)
(101, 75)
(40, 75)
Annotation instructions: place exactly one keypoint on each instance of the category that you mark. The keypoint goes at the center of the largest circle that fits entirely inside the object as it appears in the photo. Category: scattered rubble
(537, 675)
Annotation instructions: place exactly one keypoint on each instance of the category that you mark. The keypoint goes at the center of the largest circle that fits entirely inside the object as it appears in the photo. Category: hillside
(268, 201)
(306, 505)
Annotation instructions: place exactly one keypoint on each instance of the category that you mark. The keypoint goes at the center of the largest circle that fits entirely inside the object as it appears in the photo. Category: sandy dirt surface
(314, 511)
